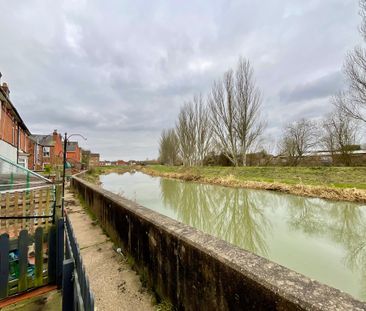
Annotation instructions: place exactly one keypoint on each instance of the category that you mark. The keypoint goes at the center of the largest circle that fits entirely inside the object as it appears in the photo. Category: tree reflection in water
(342, 222)
(235, 215)
(270, 224)
(239, 216)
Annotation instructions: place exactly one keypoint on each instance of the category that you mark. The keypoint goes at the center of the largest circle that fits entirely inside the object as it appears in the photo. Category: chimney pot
(6, 89)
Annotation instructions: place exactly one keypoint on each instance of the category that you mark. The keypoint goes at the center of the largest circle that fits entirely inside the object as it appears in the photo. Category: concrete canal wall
(196, 271)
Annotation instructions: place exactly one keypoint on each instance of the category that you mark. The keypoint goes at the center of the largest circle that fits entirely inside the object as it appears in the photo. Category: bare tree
(298, 138)
(193, 130)
(186, 133)
(203, 129)
(354, 104)
(223, 116)
(235, 113)
(248, 125)
(339, 134)
(168, 150)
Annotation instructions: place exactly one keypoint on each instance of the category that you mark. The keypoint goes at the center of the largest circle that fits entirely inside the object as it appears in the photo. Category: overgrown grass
(92, 175)
(164, 306)
(335, 177)
(86, 207)
(99, 170)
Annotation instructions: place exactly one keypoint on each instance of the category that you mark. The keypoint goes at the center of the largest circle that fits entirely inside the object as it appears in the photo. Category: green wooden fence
(23, 268)
(31, 240)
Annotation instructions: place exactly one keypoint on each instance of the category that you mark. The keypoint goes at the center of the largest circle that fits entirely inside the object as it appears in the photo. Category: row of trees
(336, 133)
(227, 120)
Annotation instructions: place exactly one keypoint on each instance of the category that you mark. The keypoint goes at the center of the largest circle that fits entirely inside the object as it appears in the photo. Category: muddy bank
(324, 192)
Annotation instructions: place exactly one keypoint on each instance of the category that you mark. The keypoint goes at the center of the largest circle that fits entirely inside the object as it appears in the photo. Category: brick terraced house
(35, 152)
(73, 153)
(45, 150)
(94, 159)
(14, 134)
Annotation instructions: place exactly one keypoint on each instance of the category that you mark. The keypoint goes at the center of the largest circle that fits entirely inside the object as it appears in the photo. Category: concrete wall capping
(196, 271)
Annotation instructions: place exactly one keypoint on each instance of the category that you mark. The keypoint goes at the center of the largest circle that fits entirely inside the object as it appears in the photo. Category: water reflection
(342, 222)
(234, 215)
(241, 217)
(321, 239)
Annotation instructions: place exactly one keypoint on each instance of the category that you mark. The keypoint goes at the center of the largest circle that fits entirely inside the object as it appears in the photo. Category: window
(36, 155)
(13, 136)
(21, 161)
(46, 151)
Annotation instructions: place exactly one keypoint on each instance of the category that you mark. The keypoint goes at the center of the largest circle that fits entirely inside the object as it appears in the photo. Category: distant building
(326, 158)
(105, 163)
(45, 150)
(73, 152)
(14, 135)
(121, 163)
(94, 159)
(85, 157)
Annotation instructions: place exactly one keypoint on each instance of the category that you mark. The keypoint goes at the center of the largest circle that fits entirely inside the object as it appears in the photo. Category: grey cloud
(118, 71)
(318, 88)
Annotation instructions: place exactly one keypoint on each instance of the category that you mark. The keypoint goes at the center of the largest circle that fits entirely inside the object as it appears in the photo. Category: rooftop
(44, 140)
(72, 146)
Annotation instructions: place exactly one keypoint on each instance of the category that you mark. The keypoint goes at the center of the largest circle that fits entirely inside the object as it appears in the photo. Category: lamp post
(66, 138)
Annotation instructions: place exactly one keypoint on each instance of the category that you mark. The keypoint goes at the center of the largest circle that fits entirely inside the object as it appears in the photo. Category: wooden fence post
(4, 265)
(38, 241)
(59, 251)
(68, 285)
(52, 254)
(58, 198)
(23, 260)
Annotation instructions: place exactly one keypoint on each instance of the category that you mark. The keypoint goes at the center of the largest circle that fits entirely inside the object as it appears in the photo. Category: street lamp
(66, 138)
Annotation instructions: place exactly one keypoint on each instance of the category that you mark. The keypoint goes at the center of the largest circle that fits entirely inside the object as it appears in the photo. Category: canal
(323, 240)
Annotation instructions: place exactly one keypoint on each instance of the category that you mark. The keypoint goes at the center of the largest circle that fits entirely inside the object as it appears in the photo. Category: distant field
(335, 177)
(92, 174)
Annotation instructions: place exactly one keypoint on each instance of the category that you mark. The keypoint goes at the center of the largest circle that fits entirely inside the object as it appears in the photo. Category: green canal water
(323, 240)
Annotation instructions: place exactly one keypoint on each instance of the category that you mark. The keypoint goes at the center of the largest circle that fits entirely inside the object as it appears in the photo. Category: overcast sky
(118, 71)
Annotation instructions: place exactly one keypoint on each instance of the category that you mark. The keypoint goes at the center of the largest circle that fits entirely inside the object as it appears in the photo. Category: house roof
(43, 140)
(4, 97)
(85, 152)
(72, 146)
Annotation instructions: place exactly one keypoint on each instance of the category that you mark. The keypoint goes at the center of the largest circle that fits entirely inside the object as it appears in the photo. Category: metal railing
(75, 286)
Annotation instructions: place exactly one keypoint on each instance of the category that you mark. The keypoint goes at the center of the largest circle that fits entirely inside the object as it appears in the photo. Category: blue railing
(75, 286)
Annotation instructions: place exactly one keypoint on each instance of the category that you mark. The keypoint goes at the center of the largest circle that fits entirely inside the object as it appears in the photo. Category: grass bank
(92, 175)
(333, 183)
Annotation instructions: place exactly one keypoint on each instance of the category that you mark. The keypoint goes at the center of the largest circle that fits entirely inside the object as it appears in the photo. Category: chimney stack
(5, 89)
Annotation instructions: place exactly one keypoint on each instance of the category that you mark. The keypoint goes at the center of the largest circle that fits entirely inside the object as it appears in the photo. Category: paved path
(115, 285)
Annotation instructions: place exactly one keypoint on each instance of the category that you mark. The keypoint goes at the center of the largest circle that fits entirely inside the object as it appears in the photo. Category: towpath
(114, 284)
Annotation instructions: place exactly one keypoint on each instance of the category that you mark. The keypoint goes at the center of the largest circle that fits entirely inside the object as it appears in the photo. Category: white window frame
(21, 161)
(13, 135)
(46, 150)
